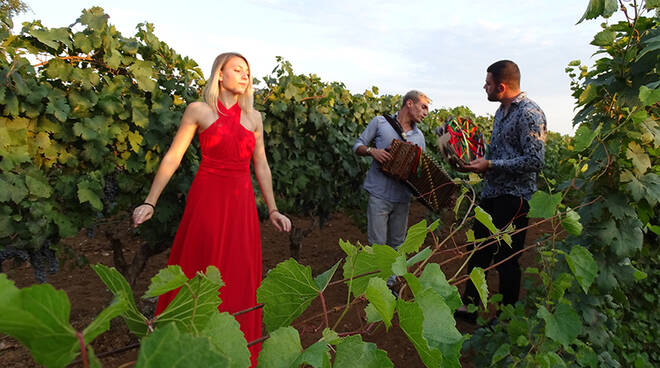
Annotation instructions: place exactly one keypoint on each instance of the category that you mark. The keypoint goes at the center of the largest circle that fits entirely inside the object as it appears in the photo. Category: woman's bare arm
(264, 177)
(189, 125)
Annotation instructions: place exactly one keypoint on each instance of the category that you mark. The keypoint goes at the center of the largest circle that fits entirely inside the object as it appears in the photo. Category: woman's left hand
(281, 222)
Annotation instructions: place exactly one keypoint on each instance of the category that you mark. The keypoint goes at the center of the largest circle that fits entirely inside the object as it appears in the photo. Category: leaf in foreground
(282, 349)
(286, 292)
(433, 277)
(563, 325)
(382, 299)
(323, 279)
(583, 266)
(117, 284)
(543, 205)
(485, 218)
(226, 336)
(101, 323)
(571, 223)
(368, 259)
(411, 320)
(353, 352)
(169, 347)
(317, 355)
(165, 280)
(414, 238)
(38, 317)
(478, 277)
(195, 302)
(439, 327)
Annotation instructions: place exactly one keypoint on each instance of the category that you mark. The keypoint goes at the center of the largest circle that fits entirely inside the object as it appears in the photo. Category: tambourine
(460, 141)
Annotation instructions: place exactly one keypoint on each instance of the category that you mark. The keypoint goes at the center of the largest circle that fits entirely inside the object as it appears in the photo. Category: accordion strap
(396, 126)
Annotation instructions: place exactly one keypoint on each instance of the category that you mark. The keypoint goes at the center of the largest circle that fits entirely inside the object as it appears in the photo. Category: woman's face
(235, 76)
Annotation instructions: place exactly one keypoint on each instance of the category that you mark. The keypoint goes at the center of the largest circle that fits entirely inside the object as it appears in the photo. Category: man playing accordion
(389, 198)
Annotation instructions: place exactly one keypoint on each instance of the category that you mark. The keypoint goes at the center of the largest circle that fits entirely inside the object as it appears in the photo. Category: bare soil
(118, 347)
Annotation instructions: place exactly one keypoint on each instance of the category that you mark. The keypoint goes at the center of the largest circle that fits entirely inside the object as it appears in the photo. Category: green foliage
(38, 317)
(102, 109)
(592, 310)
(310, 127)
(287, 291)
(478, 278)
(79, 128)
(83, 132)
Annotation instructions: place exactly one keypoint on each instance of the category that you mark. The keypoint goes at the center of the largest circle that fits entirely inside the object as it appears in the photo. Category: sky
(441, 48)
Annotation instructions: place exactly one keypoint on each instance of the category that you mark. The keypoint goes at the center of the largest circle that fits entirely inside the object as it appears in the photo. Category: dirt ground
(117, 347)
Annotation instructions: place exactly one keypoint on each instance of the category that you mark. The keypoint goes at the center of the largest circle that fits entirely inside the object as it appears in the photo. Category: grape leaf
(584, 136)
(167, 279)
(195, 303)
(101, 323)
(411, 320)
(485, 218)
(87, 193)
(282, 349)
(639, 158)
(563, 325)
(544, 205)
(286, 292)
(353, 352)
(414, 238)
(368, 259)
(117, 284)
(227, 339)
(167, 346)
(419, 257)
(323, 279)
(478, 277)
(143, 73)
(571, 223)
(317, 355)
(624, 237)
(432, 277)
(583, 266)
(380, 296)
(38, 317)
(649, 96)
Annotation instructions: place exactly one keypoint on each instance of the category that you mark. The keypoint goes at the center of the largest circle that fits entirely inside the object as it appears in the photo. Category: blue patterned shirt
(378, 184)
(517, 149)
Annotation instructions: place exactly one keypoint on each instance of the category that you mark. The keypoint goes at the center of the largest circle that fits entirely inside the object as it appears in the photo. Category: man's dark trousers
(503, 209)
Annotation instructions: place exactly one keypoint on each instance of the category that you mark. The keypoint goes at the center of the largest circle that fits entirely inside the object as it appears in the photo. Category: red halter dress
(220, 226)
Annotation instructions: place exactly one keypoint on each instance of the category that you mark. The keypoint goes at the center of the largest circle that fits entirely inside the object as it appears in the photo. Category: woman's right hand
(142, 213)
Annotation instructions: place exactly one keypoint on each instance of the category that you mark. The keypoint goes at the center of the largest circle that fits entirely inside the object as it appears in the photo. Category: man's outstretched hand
(479, 166)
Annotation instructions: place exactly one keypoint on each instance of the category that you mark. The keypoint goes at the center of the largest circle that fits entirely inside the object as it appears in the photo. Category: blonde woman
(220, 226)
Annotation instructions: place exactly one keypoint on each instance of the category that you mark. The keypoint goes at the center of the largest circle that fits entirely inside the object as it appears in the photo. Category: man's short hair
(506, 72)
(414, 95)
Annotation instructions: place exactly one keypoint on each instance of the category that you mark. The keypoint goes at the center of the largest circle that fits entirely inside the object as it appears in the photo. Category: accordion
(429, 183)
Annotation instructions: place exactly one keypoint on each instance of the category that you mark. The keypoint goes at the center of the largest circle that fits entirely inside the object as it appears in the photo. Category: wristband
(368, 150)
(149, 204)
(490, 164)
(271, 212)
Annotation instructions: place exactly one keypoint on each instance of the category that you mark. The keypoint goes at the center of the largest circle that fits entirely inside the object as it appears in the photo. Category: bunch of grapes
(110, 190)
(43, 260)
(18, 255)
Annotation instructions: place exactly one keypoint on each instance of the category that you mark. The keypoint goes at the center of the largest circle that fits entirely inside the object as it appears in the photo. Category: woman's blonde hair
(211, 91)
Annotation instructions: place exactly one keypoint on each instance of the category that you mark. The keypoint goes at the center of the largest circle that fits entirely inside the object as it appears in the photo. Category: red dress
(220, 226)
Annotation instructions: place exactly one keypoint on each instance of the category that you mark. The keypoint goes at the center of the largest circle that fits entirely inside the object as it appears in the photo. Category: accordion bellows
(429, 183)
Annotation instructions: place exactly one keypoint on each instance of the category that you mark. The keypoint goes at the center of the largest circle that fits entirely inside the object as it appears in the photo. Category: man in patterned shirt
(516, 154)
